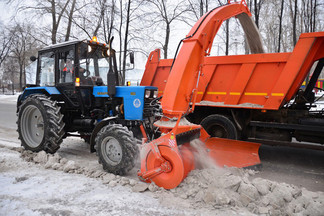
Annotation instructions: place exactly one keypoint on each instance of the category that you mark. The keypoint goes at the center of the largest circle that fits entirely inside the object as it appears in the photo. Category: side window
(66, 66)
(46, 76)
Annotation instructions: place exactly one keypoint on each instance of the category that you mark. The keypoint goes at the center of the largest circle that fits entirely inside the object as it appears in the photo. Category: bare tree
(198, 7)
(22, 45)
(257, 9)
(165, 13)
(109, 21)
(293, 15)
(5, 44)
(54, 8)
(280, 24)
(126, 39)
(70, 19)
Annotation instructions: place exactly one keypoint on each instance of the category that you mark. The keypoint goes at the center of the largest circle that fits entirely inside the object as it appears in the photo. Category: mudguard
(97, 128)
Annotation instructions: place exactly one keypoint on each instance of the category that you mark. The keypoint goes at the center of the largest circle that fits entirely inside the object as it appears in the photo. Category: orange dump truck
(254, 96)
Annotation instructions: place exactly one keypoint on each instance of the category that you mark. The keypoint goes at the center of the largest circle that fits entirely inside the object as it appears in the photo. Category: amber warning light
(77, 81)
(94, 39)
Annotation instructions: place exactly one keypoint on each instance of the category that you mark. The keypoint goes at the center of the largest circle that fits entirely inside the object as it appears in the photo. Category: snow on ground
(29, 189)
(41, 184)
(9, 98)
(71, 182)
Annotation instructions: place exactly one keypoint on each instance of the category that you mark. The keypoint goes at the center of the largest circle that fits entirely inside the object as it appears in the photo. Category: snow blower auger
(167, 160)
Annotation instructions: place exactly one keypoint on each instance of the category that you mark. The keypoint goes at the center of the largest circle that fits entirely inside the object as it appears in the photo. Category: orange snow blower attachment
(167, 160)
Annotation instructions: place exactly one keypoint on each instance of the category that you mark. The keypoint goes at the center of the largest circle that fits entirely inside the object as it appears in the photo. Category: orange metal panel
(240, 83)
(316, 52)
(206, 77)
(290, 73)
(151, 68)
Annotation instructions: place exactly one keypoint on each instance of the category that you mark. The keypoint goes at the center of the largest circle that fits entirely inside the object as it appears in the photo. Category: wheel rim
(112, 151)
(32, 126)
(217, 131)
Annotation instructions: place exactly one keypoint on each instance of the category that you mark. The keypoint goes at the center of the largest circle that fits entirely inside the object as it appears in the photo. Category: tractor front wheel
(40, 124)
(116, 148)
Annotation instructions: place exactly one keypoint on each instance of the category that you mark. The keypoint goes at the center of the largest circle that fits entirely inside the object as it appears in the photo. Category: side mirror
(131, 57)
(33, 58)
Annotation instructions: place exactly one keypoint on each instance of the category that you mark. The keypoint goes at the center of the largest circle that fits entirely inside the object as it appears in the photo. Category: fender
(97, 128)
(37, 90)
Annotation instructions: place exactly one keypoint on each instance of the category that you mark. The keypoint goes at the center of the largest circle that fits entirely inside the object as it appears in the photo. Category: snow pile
(29, 189)
(56, 162)
(232, 187)
(216, 188)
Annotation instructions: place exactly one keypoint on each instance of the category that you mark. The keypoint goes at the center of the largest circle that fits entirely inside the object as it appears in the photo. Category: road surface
(301, 167)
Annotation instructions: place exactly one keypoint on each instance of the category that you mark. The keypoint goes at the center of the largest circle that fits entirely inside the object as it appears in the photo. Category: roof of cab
(63, 44)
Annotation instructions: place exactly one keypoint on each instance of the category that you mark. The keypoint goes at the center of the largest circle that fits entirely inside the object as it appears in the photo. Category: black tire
(220, 126)
(116, 149)
(40, 112)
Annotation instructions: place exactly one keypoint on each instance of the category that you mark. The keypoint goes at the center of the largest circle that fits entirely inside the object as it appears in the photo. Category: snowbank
(211, 190)
(9, 98)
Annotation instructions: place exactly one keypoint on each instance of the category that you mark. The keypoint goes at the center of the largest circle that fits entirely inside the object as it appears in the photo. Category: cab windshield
(94, 63)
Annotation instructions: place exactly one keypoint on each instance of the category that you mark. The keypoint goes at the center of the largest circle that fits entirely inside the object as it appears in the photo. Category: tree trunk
(120, 33)
(126, 41)
(20, 75)
(227, 37)
(256, 13)
(54, 26)
(314, 16)
(206, 6)
(68, 29)
(294, 24)
(166, 41)
(280, 24)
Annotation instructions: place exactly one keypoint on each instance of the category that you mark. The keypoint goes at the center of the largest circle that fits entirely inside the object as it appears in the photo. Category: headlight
(147, 93)
(155, 94)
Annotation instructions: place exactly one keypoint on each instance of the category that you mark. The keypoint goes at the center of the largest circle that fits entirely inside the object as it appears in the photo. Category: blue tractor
(78, 93)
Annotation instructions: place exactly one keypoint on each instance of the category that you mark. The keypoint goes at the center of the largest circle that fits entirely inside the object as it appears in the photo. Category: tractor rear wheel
(220, 126)
(116, 148)
(40, 124)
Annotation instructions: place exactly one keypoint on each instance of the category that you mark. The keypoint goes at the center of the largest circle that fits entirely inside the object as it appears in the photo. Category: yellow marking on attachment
(216, 93)
(255, 94)
(200, 92)
(235, 93)
(171, 137)
(160, 92)
(277, 94)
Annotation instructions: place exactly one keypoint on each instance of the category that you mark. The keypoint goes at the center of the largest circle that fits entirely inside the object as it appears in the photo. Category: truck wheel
(116, 148)
(219, 126)
(40, 124)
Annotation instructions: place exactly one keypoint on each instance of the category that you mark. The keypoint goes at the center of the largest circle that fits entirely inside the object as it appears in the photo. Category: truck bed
(256, 81)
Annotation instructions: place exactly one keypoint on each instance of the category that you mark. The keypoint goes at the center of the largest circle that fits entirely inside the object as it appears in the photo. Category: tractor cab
(75, 63)
(73, 69)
